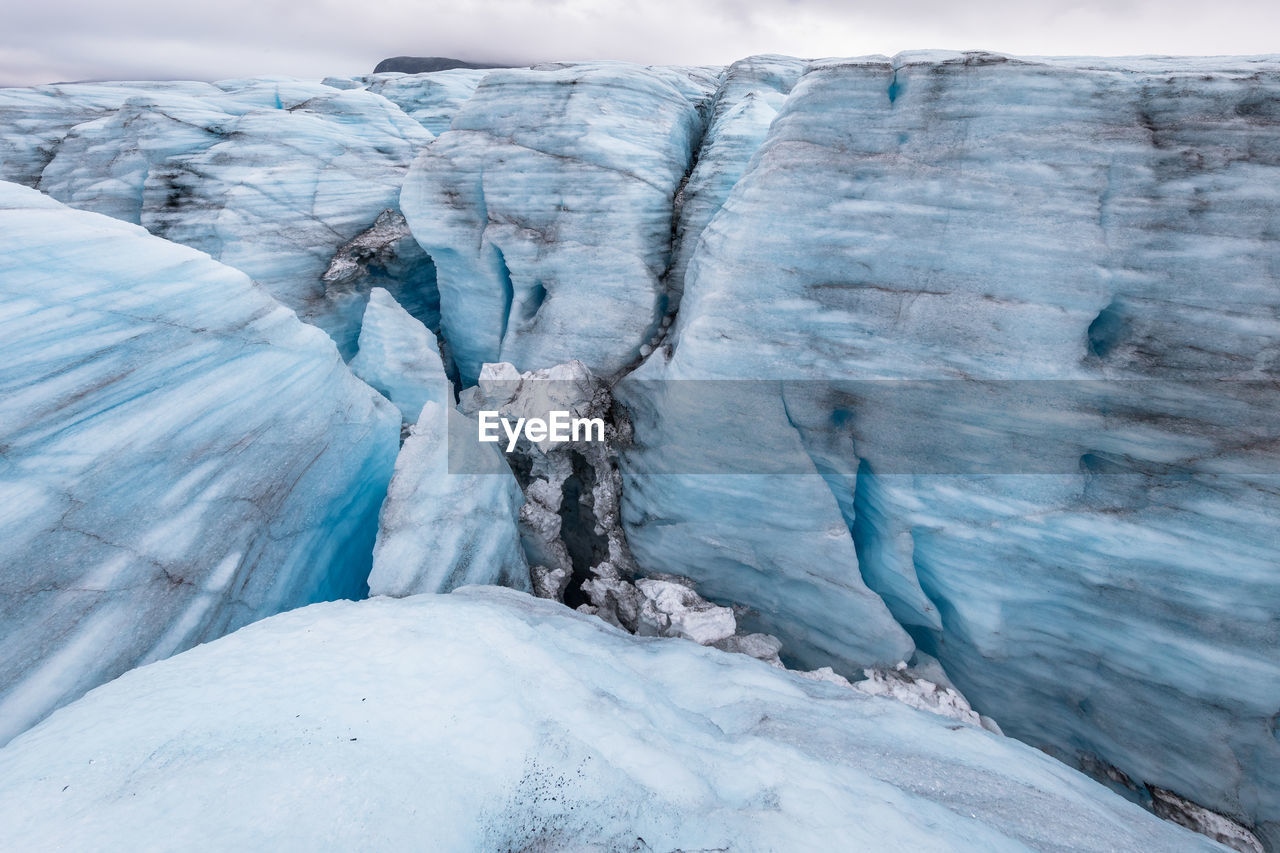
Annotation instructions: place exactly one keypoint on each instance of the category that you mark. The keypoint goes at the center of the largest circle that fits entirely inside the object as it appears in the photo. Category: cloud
(88, 39)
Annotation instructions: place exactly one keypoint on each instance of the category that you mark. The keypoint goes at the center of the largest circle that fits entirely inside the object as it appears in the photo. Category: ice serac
(429, 99)
(543, 729)
(181, 455)
(974, 217)
(547, 208)
(274, 177)
(399, 357)
(440, 528)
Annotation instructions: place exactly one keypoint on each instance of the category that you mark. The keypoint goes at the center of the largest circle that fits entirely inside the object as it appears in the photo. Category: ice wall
(547, 208)
(941, 216)
(181, 455)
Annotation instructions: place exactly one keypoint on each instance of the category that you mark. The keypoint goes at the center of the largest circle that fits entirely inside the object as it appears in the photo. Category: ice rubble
(946, 216)
(181, 455)
(547, 208)
(487, 719)
(569, 524)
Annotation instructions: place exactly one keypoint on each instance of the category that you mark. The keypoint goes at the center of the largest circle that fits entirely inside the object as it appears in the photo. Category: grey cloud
(85, 39)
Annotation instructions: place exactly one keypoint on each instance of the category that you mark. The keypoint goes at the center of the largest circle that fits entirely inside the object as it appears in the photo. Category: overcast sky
(55, 40)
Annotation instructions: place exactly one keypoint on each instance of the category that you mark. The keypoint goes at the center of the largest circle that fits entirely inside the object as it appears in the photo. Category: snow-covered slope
(180, 454)
(488, 720)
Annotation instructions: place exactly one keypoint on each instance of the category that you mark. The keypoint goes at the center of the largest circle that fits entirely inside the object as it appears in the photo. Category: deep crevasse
(932, 215)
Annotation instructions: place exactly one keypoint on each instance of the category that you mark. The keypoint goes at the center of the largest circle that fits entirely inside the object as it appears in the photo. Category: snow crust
(487, 719)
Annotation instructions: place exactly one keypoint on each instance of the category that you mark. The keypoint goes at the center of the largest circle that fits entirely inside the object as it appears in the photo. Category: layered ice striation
(547, 208)
(970, 217)
(34, 121)
(541, 729)
(181, 455)
(272, 177)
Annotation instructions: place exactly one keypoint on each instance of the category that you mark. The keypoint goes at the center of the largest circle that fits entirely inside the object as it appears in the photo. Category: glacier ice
(432, 99)
(439, 528)
(972, 216)
(451, 515)
(34, 121)
(399, 357)
(270, 176)
(748, 96)
(855, 224)
(181, 455)
(547, 208)
(488, 719)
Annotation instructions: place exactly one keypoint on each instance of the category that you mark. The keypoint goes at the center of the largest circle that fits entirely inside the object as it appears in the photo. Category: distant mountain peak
(424, 64)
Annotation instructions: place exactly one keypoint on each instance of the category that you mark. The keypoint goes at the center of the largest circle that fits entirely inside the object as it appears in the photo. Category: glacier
(967, 217)
(275, 177)
(181, 455)
(429, 99)
(949, 375)
(490, 720)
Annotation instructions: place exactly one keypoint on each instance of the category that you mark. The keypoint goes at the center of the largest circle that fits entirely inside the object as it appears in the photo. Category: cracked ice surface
(181, 454)
(540, 728)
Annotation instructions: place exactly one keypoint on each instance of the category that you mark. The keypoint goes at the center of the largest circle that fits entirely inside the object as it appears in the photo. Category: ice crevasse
(927, 217)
